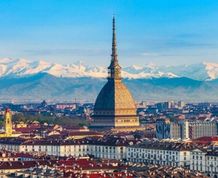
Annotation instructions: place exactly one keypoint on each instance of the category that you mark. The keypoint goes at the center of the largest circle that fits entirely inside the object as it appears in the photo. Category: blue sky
(165, 32)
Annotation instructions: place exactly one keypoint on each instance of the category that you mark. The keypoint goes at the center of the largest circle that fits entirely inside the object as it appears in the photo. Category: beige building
(115, 107)
(179, 129)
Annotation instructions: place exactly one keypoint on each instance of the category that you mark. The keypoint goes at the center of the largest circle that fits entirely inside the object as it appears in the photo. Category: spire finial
(114, 41)
(114, 68)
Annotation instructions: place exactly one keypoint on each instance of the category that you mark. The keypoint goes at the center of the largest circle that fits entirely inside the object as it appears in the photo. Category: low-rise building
(164, 153)
(205, 161)
(111, 148)
(15, 166)
(161, 153)
(11, 144)
(202, 128)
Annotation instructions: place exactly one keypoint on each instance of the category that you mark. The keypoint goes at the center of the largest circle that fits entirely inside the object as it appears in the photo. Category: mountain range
(24, 80)
(22, 67)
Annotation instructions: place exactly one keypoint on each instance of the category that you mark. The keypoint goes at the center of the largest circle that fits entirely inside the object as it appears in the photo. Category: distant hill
(41, 86)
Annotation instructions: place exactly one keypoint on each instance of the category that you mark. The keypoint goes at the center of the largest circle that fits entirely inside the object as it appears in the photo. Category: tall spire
(114, 42)
(114, 68)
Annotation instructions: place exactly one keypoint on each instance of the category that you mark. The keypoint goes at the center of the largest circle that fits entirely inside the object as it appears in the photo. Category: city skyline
(141, 101)
(162, 32)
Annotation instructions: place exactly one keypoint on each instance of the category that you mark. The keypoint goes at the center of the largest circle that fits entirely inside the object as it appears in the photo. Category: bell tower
(8, 123)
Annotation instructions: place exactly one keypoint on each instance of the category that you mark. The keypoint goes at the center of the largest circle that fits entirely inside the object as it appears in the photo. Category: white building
(205, 161)
(11, 144)
(162, 153)
(74, 148)
(149, 152)
(198, 160)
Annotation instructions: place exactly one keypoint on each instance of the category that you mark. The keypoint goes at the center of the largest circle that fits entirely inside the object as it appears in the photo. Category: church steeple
(8, 123)
(114, 68)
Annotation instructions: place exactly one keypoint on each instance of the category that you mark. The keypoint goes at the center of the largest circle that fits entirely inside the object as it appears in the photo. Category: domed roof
(114, 95)
(114, 106)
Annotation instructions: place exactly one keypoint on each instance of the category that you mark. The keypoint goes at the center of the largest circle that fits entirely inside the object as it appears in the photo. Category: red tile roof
(206, 140)
(24, 164)
(100, 175)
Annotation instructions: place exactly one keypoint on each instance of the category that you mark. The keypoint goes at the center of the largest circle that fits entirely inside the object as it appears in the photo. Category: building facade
(205, 161)
(184, 129)
(165, 153)
(177, 130)
(115, 107)
(74, 148)
(168, 154)
(162, 128)
(202, 128)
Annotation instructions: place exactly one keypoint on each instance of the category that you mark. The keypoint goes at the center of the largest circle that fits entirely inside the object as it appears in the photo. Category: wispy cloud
(180, 41)
(188, 40)
(61, 51)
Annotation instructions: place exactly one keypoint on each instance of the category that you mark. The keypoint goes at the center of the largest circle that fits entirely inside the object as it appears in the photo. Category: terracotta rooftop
(24, 164)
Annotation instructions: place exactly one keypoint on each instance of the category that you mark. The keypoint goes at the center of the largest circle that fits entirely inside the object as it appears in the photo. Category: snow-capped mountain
(23, 67)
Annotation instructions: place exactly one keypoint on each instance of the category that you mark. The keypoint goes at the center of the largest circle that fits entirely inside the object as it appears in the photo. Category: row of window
(154, 151)
(154, 162)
